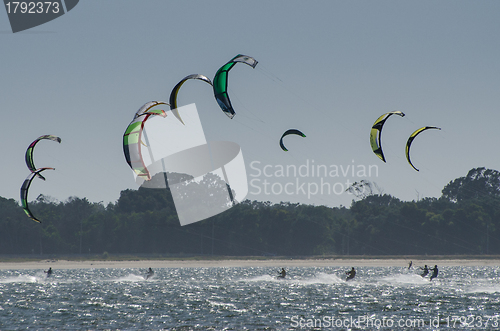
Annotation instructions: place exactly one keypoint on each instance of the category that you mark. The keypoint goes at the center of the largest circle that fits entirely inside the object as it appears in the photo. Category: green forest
(465, 220)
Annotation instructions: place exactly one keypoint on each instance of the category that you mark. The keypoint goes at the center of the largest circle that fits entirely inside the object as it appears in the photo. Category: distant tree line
(464, 220)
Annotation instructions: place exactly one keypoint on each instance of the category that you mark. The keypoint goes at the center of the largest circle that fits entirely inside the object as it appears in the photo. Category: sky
(327, 68)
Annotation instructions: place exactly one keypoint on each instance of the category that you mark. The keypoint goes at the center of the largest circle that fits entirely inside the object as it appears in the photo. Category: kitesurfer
(350, 274)
(426, 271)
(150, 273)
(49, 272)
(434, 272)
(410, 264)
(282, 274)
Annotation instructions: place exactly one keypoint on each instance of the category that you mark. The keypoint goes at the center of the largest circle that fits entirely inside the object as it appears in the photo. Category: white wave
(20, 279)
(130, 278)
(261, 278)
(405, 279)
(321, 278)
(484, 289)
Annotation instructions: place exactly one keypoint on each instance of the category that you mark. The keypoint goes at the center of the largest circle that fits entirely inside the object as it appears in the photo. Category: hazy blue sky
(328, 68)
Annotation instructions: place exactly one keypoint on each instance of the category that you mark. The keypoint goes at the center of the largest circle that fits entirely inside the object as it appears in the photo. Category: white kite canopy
(132, 138)
(175, 91)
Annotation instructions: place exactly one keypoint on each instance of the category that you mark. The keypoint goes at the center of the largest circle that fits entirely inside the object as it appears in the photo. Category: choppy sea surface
(383, 298)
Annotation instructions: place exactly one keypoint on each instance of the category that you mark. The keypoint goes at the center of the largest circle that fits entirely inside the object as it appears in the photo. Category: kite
(175, 91)
(376, 133)
(220, 82)
(132, 137)
(24, 192)
(410, 140)
(287, 132)
(31, 147)
(147, 106)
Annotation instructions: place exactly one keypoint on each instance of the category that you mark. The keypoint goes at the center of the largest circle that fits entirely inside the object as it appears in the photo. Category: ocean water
(383, 298)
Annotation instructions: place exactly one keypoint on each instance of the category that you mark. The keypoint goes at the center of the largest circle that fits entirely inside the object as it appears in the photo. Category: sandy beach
(142, 264)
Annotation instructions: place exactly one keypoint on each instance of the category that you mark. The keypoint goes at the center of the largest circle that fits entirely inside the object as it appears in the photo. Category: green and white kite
(220, 82)
(132, 138)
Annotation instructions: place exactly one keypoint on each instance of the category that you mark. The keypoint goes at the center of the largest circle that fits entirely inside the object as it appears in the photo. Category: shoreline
(233, 262)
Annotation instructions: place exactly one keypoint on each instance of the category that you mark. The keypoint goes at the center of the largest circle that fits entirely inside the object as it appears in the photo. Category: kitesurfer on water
(150, 273)
(426, 271)
(434, 272)
(350, 274)
(49, 272)
(282, 274)
(410, 264)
